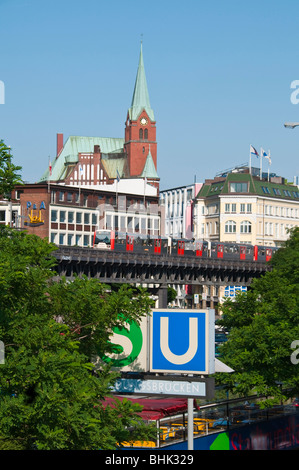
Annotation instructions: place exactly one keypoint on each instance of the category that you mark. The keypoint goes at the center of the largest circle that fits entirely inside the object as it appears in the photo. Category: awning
(221, 367)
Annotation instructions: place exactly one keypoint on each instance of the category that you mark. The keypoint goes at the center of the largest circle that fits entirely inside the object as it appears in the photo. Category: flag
(50, 167)
(252, 150)
(80, 170)
(117, 176)
(264, 154)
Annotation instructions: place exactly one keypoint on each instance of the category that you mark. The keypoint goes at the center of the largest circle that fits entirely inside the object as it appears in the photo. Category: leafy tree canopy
(50, 396)
(9, 172)
(263, 325)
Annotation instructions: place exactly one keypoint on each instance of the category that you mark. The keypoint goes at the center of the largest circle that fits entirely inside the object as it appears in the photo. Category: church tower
(140, 131)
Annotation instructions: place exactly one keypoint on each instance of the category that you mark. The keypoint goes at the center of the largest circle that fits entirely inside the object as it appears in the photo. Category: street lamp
(291, 125)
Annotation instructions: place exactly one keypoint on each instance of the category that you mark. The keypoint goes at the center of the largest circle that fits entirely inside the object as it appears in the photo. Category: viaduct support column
(162, 296)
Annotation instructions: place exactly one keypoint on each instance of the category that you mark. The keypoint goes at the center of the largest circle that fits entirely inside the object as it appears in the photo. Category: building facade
(69, 215)
(243, 208)
(179, 210)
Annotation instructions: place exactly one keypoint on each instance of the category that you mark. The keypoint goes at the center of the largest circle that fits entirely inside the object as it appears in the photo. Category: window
(242, 208)
(239, 187)
(145, 134)
(230, 226)
(140, 134)
(94, 219)
(62, 216)
(86, 218)
(53, 237)
(245, 227)
(2, 216)
(61, 196)
(234, 208)
(108, 221)
(53, 215)
(71, 217)
(69, 197)
(86, 240)
(78, 218)
(61, 238)
(249, 208)
(227, 207)
(265, 190)
(70, 239)
(78, 239)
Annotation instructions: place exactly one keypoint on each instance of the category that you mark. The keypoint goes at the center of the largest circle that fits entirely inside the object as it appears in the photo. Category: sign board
(168, 341)
(182, 341)
(132, 340)
(165, 386)
(230, 291)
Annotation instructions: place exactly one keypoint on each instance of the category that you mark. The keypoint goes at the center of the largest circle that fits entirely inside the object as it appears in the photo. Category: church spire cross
(140, 99)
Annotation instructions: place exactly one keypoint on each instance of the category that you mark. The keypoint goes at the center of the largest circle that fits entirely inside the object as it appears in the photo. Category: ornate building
(96, 161)
(96, 182)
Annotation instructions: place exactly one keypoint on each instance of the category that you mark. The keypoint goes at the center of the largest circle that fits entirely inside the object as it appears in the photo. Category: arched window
(145, 134)
(245, 227)
(230, 226)
(140, 134)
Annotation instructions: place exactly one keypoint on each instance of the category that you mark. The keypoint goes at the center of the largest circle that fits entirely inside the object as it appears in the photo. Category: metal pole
(190, 424)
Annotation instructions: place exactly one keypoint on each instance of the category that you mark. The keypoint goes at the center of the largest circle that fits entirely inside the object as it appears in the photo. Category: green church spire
(140, 98)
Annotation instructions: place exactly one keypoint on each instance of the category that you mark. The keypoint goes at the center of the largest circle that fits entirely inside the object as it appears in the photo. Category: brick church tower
(140, 132)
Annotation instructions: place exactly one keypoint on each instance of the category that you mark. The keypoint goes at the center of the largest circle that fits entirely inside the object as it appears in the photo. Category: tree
(9, 176)
(263, 327)
(171, 294)
(49, 396)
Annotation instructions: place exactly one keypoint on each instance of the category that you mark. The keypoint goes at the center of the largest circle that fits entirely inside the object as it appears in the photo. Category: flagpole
(250, 160)
(269, 160)
(49, 174)
(116, 190)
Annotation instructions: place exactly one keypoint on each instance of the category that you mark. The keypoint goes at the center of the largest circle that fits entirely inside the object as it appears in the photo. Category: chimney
(59, 144)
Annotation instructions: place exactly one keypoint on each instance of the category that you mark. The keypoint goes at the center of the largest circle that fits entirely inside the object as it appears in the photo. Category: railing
(213, 418)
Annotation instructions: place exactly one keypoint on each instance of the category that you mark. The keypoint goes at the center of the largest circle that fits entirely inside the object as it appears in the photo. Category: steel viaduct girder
(143, 268)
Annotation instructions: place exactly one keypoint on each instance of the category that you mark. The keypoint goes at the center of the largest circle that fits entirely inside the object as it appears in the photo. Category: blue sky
(219, 76)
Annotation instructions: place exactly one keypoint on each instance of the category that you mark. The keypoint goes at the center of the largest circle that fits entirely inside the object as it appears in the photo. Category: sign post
(180, 344)
(190, 424)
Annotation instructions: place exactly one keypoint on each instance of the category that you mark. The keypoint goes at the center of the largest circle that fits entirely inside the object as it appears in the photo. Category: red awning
(154, 409)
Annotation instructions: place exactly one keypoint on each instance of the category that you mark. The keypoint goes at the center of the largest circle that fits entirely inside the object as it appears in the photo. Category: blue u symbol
(179, 359)
(178, 341)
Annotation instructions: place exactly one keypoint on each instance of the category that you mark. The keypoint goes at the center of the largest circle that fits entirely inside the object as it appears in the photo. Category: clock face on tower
(143, 121)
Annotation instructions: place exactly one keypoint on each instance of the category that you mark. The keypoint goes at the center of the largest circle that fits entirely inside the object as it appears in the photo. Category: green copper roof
(140, 98)
(149, 170)
(256, 186)
(75, 145)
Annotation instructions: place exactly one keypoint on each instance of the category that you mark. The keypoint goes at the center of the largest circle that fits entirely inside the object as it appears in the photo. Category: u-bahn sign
(167, 341)
(183, 341)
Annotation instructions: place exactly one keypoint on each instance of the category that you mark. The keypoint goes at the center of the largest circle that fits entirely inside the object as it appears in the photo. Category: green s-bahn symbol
(129, 343)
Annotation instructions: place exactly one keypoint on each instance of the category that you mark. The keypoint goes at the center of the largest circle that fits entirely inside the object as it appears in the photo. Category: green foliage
(262, 325)
(9, 176)
(50, 396)
(171, 294)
